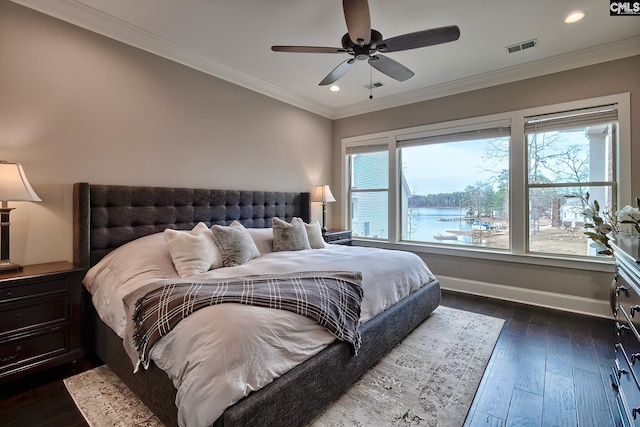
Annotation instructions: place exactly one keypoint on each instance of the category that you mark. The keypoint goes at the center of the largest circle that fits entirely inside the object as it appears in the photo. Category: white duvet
(220, 354)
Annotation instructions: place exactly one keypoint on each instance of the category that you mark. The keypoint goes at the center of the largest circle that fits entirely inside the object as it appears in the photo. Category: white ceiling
(232, 39)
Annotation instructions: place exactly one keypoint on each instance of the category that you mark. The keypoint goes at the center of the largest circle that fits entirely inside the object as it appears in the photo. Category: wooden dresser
(39, 318)
(625, 301)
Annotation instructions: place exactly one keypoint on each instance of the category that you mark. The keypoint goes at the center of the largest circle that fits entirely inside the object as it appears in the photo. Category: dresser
(39, 318)
(625, 301)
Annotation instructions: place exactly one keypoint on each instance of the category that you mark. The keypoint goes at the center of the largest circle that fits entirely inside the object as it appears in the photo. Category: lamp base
(7, 266)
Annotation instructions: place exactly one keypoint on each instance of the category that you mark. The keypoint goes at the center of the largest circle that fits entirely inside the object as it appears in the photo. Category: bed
(108, 217)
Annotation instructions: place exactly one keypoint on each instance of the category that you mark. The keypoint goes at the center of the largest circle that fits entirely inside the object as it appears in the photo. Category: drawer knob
(634, 357)
(6, 359)
(621, 328)
(9, 293)
(621, 372)
(635, 412)
(634, 309)
(622, 289)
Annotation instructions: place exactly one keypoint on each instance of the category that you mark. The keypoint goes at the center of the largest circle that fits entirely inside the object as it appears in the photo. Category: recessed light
(574, 17)
(334, 88)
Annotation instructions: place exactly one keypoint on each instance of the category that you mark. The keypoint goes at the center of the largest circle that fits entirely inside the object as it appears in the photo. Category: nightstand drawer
(30, 350)
(338, 237)
(32, 288)
(40, 325)
(21, 317)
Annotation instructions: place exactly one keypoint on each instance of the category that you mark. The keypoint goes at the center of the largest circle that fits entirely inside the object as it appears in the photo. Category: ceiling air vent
(522, 46)
(373, 85)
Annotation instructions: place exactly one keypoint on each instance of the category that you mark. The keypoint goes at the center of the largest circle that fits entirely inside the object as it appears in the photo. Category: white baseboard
(574, 304)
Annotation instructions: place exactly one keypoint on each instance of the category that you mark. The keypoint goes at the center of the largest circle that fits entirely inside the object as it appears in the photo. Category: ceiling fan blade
(391, 68)
(420, 39)
(338, 72)
(358, 18)
(308, 49)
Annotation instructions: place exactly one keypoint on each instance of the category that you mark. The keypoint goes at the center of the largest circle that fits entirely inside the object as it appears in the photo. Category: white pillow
(193, 251)
(314, 232)
(235, 244)
(289, 236)
(263, 238)
(144, 260)
(146, 256)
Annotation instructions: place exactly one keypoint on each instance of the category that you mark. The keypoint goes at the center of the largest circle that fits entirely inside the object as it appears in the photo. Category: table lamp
(14, 187)
(323, 194)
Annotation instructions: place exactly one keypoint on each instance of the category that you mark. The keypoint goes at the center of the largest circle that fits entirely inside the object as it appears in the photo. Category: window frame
(518, 183)
(373, 144)
(611, 184)
(489, 128)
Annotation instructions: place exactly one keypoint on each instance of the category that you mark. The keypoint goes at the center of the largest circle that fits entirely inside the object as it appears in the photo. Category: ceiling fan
(362, 42)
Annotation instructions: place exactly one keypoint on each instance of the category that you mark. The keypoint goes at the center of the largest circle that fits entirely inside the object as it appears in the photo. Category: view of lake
(426, 225)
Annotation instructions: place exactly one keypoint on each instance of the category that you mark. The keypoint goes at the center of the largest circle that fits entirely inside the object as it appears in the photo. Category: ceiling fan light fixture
(334, 88)
(574, 17)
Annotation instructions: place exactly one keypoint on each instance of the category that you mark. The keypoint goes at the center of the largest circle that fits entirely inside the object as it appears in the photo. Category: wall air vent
(373, 85)
(522, 46)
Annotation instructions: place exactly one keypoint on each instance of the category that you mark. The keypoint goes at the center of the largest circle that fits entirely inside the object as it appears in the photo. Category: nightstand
(39, 318)
(337, 237)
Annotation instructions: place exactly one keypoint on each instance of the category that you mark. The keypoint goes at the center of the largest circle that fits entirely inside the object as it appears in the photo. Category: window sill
(606, 265)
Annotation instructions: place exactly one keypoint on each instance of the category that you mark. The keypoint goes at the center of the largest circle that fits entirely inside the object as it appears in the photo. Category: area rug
(428, 379)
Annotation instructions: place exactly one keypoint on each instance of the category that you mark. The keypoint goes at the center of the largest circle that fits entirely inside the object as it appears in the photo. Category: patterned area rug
(428, 379)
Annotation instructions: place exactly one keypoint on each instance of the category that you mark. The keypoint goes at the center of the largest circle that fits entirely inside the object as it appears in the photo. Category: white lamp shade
(323, 194)
(14, 185)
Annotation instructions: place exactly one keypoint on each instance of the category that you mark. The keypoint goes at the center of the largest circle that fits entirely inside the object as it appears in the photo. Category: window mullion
(393, 215)
(518, 191)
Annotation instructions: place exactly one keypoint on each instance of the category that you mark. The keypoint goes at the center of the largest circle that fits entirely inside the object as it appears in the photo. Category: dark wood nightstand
(39, 318)
(337, 237)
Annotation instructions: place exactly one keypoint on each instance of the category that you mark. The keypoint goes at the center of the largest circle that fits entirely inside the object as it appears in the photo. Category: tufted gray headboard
(108, 216)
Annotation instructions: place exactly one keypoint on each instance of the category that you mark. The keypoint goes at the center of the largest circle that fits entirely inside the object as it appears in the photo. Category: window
(369, 190)
(508, 184)
(455, 186)
(569, 154)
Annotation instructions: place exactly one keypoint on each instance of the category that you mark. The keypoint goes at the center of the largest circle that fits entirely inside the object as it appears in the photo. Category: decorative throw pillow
(263, 238)
(289, 236)
(194, 251)
(235, 244)
(314, 232)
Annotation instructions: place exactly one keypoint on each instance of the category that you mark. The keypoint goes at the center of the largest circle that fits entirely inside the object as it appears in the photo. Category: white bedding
(219, 354)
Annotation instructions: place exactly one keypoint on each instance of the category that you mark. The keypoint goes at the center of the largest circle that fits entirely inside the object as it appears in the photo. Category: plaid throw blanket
(330, 298)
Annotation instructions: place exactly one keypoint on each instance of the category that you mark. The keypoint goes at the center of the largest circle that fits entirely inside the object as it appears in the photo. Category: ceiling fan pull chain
(370, 82)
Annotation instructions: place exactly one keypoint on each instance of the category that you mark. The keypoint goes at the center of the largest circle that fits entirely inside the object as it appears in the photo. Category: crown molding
(78, 14)
(577, 59)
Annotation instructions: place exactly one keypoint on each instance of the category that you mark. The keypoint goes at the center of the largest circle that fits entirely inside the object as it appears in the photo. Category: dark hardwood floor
(549, 368)
(41, 399)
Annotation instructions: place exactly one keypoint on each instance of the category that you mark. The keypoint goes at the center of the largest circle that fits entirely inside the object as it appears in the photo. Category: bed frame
(108, 216)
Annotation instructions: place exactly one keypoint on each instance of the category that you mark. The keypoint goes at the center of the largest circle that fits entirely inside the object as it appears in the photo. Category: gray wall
(76, 106)
(588, 82)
